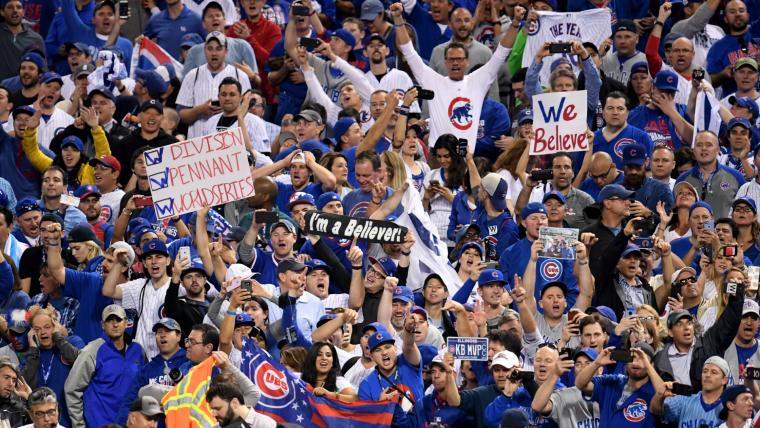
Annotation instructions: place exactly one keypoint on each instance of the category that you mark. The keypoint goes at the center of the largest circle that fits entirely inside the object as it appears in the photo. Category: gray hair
(42, 395)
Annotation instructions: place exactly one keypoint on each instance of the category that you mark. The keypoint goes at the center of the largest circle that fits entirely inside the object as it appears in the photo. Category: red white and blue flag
(148, 55)
(288, 399)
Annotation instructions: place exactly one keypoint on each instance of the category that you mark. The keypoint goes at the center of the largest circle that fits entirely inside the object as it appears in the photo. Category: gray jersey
(571, 410)
(614, 69)
(329, 77)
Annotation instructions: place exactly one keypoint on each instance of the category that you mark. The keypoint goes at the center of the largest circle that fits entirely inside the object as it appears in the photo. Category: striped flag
(706, 114)
(148, 55)
(185, 405)
(289, 400)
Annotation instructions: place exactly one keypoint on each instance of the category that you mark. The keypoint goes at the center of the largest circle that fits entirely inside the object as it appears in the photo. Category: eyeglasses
(691, 280)
(191, 342)
(547, 345)
(458, 59)
(742, 209)
(49, 414)
(602, 176)
(374, 272)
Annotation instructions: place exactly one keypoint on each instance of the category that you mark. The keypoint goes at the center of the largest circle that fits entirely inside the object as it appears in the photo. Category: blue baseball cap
(153, 82)
(326, 198)
(559, 61)
(634, 154)
(25, 205)
(152, 104)
(525, 115)
(34, 58)
(700, 204)
(625, 25)
(372, 326)
(370, 9)
(191, 39)
(86, 190)
(471, 244)
(380, 337)
(346, 36)
(136, 223)
(139, 232)
(195, 266)
(739, 121)
(613, 191)
(490, 276)
(463, 230)
(315, 264)
(404, 294)
(496, 187)
(554, 194)
(72, 140)
(532, 208)
(154, 246)
(666, 80)
(590, 353)
(745, 102)
(605, 311)
(386, 264)
(23, 110)
(167, 323)
(243, 319)
(730, 394)
(630, 249)
(746, 200)
(341, 127)
(640, 67)
(325, 318)
(51, 76)
(672, 36)
(300, 198)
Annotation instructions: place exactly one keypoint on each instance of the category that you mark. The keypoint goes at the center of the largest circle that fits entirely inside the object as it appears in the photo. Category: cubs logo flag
(706, 114)
(289, 400)
(148, 55)
(185, 405)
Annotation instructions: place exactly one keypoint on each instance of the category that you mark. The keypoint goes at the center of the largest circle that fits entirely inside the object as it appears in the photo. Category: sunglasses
(689, 280)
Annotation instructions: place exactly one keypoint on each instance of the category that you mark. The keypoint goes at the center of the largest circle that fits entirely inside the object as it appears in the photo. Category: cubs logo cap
(379, 337)
(634, 154)
(491, 276)
(666, 80)
(154, 246)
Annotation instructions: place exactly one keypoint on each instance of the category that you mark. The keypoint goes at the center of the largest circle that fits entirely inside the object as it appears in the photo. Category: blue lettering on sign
(165, 207)
(154, 157)
(552, 115)
(159, 180)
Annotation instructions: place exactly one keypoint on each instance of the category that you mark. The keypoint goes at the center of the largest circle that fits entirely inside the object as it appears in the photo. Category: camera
(424, 94)
(697, 74)
(752, 373)
(541, 175)
(621, 355)
(462, 147)
(681, 389)
(519, 375)
(558, 48)
(175, 375)
(645, 224)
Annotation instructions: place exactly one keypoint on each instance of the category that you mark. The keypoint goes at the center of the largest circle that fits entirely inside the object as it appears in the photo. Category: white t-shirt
(109, 205)
(152, 309)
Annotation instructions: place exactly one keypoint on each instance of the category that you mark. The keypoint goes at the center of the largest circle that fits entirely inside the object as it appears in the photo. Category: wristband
(403, 110)
(659, 23)
(376, 203)
(399, 25)
(356, 267)
(234, 314)
(406, 253)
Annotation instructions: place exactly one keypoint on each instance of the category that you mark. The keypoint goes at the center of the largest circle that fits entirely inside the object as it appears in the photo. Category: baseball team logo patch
(460, 113)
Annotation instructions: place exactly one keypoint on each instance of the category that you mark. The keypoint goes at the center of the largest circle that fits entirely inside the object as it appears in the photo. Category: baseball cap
(130, 252)
(346, 36)
(107, 161)
(640, 67)
(404, 294)
(243, 319)
(625, 25)
(237, 270)
(670, 38)
(532, 208)
(613, 191)
(559, 284)
(634, 154)
(745, 62)
(506, 359)
(590, 353)
(168, 323)
(739, 121)
(745, 200)
(25, 205)
(376, 36)
(380, 337)
(554, 194)
(152, 104)
(283, 223)
(559, 61)
(195, 266)
(82, 233)
(750, 307)
(666, 80)
(235, 233)
(463, 230)
(290, 265)
(700, 204)
(34, 58)
(630, 249)
(676, 316)
(525, 115)
(113, 310)
(83, 70)
(731, 393)
(490, 276)
(372, 326)
(287, 135)
(745, 102)
(102, 92)
(86, 190)
(341, 127)
(105, 3)
(514, 418)
(326, 198)
(604, 311)
(316, 264)
(719, 363)
(370, 9)
(24, 110)
(387, 264)
(51, 76)
(153, 82)
(191, 39)
(419, 310)
(471, 244)
(309, 116)
(154, 246)
(325, 318)
(647, 348)
(496, 188)
(300, 198)
(218, 36)
(72, 140)
(146, 405)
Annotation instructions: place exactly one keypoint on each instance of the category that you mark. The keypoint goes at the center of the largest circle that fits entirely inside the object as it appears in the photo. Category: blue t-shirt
(692, 411)
(438, 410)
(657, 125)
(407, 378)
(355, 204)
(285, 191)
(743, 355)
(168, 32)
(630, 134)
(634, 411)
(265, 264)
(497, 233)
(87, 288)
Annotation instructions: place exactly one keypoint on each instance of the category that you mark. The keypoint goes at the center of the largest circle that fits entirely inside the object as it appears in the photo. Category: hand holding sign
(559, 121)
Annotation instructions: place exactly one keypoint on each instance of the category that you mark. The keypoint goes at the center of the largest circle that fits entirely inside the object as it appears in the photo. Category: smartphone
(645, 224)
(621, 355)
(566, 354)
(309, 43)
(707, 250)
(541, 175)
(215, 103)
(709, 226)
(697, 74)
(424, 94)
(629, 313)
(573, 313)
(267, 217)
(87, 102)
(184, 253)
(647, 243)
(729, 250)
(462, 147)
(558, 48)
(143, 201)
(247, 285)
(681, 389)
(435, 183)
(752, 373)
(492, 265)
(70, 200)
(300, 11)
(123, 9)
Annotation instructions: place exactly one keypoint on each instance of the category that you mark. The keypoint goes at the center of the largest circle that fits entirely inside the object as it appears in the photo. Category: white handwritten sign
(559, 122)
(204, 171)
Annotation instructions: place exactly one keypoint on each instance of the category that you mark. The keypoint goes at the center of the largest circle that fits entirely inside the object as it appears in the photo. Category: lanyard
(46, 373)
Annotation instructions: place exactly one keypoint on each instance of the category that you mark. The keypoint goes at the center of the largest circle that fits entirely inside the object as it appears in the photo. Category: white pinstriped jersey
(52, 126)
(256, 131)
(199, 86)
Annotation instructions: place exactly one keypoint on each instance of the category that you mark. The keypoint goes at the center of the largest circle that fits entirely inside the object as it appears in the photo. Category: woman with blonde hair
(395, 170)
(506, 167)
(85, 248)
(650, 319)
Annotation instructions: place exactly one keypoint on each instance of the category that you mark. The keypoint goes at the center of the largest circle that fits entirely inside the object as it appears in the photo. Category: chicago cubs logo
(105, 213)
(271, 382)
(460, 113)
(534, 27)
(620, 145)
(636, 411)
(364, 116)
(551, 270)
(724, 186)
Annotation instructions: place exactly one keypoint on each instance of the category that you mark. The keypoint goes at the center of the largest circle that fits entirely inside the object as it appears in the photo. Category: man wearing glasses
(43, 406)
(601, 172)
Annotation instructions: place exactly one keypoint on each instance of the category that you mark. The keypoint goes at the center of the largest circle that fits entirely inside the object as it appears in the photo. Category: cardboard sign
(468, 348)
(205, 171)
(559, 122)
(384, 232)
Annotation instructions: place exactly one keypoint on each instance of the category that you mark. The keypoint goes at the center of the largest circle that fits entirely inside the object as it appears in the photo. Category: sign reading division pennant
(205, 171)
(385, 232)
(559, 123)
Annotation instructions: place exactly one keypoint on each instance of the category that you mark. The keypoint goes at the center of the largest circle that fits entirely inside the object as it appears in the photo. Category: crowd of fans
(647, 316)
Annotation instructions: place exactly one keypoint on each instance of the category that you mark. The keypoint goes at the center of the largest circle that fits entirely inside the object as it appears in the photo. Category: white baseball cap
(506, 359)
(750, 307)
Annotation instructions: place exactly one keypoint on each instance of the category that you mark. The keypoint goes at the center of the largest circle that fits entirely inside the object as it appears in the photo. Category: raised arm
(324, 175)
(356, 291)
(55, 265)
(416, 64)
(381, 124)
(111, 284)
(385, 307)
(201, 240)
(585, 278)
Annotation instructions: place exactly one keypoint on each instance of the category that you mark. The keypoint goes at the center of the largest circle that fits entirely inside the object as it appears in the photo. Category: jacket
(714, 341)
(115, 132)
(124, 149)
(13, 47)
(100, 379)
(15, 410)
(41, 161)
(719, 191)
(185, 311)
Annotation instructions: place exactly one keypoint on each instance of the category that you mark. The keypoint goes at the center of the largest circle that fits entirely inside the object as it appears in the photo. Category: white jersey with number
(457, 104)
(200, 86)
